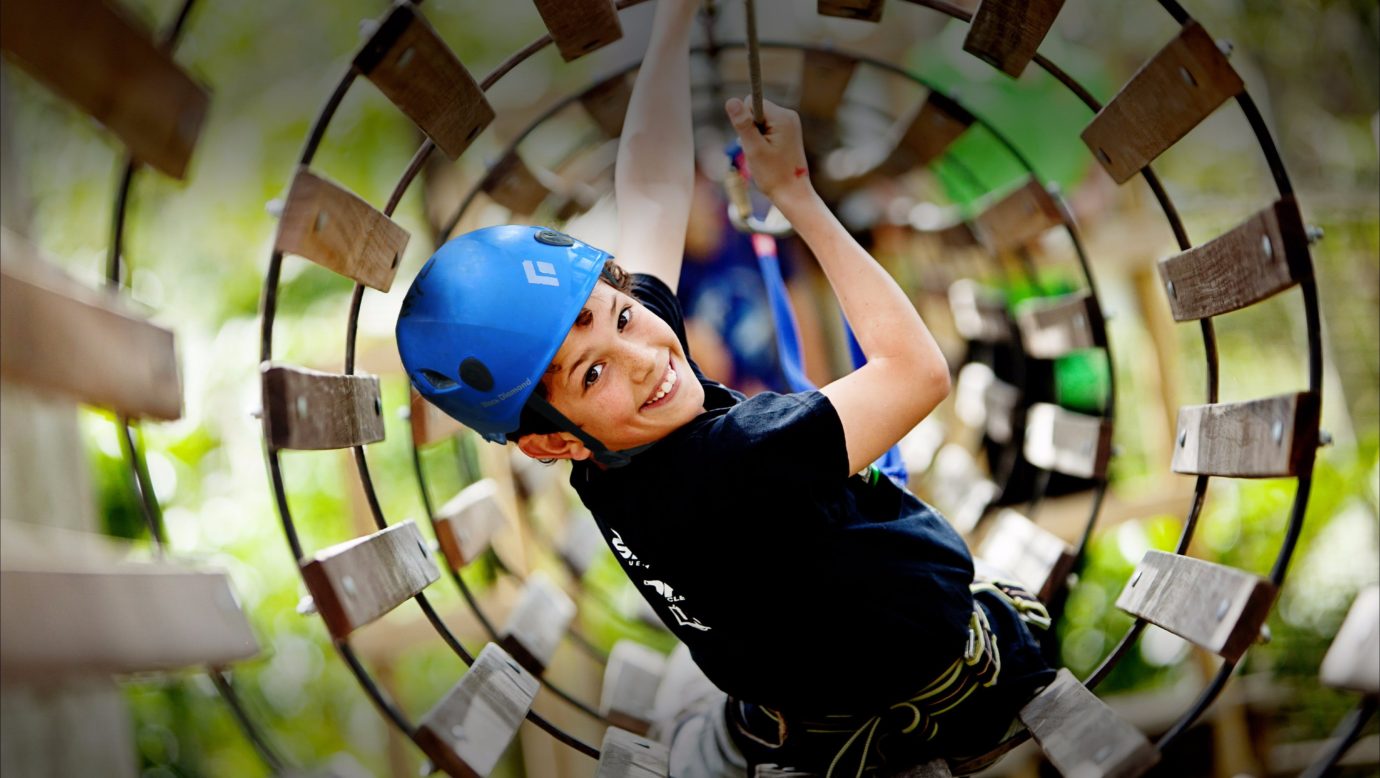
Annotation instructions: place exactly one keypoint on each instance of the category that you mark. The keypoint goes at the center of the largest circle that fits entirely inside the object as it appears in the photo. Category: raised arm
(655, 173)
(906, 375)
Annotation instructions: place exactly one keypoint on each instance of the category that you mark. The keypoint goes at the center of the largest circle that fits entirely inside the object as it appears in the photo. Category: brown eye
(624, 317)
(592, 374)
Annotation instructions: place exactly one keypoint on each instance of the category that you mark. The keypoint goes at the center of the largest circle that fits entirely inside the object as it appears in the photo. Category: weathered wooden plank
(1353, 659)
(581, 543)
(1082, 736)
(93, 55)
(92, 613)
(862, 10)
(1006, 33)
(628, 755)
(466, 524)
(1272, 437)
(979, 313)
(57, 335)
(985, 402)
(1263, 256)
(537, 623)
(580, 26)
(512, 185)
(338, 230)
(1179, 87)
(429, 423)
(607, 103)
(824, 77)
(931, 129)
(958, 235)
(470, 728)
(1018, 218)
(310, 410)
(355, 582)
(631, 678)
(1217, 607)
(960, 487)
(1067, 442)
(414, 69)
(1054, 326)
(1038, 559)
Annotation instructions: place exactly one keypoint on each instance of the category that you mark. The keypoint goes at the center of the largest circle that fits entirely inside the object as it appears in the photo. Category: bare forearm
(882, 317)
(657, 144)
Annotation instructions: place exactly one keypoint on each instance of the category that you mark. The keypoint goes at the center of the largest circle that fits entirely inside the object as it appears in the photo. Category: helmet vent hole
(476, 374)
(437, 380)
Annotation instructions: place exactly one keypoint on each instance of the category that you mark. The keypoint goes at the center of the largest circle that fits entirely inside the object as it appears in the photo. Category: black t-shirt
(794, 583)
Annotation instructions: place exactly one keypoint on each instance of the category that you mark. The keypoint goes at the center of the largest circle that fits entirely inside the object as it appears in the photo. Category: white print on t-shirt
(628, 556)
(664, 589)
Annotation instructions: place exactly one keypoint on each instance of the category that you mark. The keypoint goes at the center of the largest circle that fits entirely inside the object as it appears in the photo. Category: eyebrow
(613, 308)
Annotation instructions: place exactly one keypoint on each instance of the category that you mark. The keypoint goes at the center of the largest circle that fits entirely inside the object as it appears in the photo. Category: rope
(754, 64)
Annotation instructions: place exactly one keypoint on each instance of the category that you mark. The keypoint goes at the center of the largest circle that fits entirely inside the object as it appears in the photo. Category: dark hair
(533, 423)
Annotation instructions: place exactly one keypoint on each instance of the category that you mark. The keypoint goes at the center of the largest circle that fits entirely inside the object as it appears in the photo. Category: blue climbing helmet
(486, 315)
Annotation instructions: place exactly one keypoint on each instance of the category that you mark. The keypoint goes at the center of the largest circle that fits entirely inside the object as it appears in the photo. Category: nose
(643, 361)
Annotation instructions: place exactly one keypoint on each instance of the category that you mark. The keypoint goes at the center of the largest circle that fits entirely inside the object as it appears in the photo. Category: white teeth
(665, 386)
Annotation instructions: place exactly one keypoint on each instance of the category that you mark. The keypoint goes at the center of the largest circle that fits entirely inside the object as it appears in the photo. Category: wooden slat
(960, 488)
(1054, 326)
(1217, 607)
(310, 410)
(429, 423)
(862, 10)
(824, 77)
(1178, 88)
(985, 402)
(1082, 736)
(409, 63)
(979, 313)
(512, 185)
(1006, 33)
(1265, 255)
(1353, 659)
(582, 542)
(535, 478)
(338, 230)
(537, 623)
(93, 55)
(580, 26)
(1067, 442)
(355, 582)
(466, 524)
(67, 615)
(627, 755)
(607, 104)
(1018, 218)
(958, 235)
(1038, 559)
(631, 678)
(1272, 437)
(470, 728)
(931, 129)
(56, 335)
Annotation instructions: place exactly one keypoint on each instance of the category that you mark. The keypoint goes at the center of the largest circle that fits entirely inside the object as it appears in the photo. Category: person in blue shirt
(837, 612)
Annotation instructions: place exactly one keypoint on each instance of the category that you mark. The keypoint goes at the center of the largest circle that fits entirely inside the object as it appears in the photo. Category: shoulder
(797, 434)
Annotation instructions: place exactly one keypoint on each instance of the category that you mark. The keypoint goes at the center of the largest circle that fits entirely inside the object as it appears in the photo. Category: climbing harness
(979, 666)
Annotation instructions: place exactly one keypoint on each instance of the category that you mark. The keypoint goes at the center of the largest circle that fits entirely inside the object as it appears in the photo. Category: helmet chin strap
(602, 454)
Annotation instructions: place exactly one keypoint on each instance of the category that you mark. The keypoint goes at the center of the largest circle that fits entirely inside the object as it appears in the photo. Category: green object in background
(1040, 117)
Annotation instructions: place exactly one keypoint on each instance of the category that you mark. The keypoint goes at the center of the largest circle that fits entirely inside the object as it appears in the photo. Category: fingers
(743, 121)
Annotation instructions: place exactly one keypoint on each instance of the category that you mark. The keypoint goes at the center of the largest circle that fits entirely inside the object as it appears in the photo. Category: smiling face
(621, 375)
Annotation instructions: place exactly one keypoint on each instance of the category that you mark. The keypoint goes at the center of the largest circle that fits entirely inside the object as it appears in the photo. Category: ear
(553, 445)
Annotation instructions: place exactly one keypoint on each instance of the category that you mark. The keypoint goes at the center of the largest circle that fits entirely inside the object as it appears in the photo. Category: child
(836, 610)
